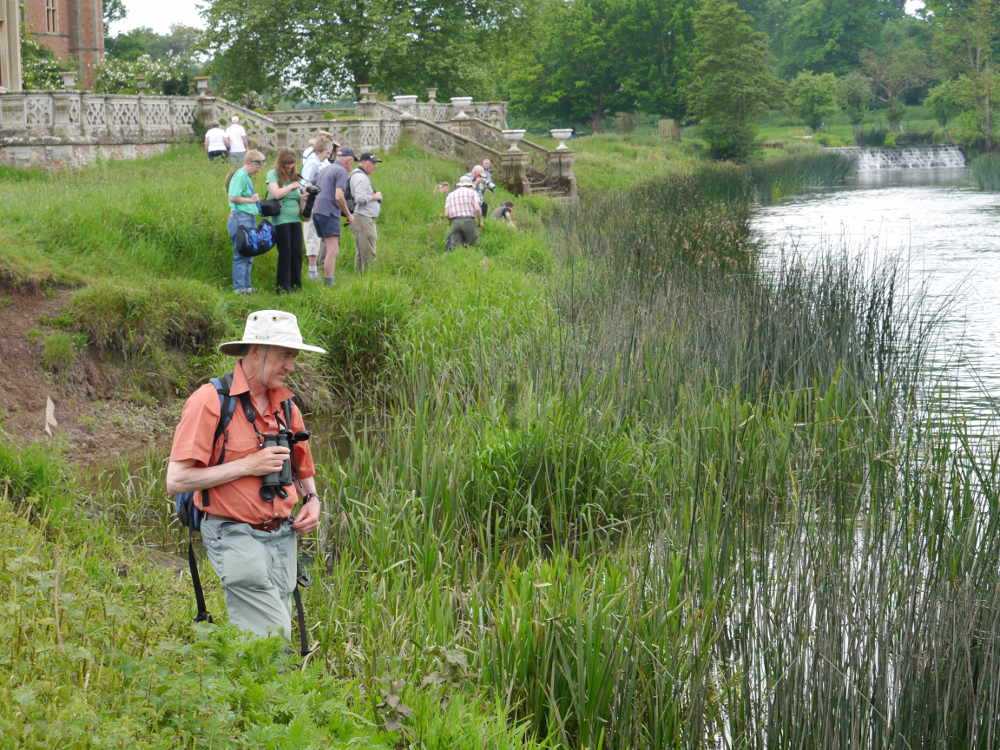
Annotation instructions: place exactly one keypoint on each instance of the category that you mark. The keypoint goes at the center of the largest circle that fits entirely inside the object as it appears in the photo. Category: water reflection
(947, 235)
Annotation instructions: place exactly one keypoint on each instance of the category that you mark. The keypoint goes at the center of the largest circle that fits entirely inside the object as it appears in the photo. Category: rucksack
(190, 515)
(255, 241)
(349, 194)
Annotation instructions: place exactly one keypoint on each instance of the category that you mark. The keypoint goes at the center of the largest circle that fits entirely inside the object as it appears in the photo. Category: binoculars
(274, 483)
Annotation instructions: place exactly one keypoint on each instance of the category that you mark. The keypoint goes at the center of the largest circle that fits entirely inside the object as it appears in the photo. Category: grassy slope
(138, 236)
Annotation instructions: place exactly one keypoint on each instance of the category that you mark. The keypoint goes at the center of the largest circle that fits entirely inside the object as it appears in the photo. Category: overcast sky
(159, 15)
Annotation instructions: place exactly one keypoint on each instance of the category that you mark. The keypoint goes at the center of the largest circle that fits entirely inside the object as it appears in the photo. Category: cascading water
(905, 157)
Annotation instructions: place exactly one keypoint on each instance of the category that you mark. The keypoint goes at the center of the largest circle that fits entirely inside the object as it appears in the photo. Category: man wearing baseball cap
(367, 207)
(249, 529)
(330, 204)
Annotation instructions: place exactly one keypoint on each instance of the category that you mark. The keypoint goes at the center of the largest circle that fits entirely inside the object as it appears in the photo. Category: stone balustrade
(72, 128)
(60, 116)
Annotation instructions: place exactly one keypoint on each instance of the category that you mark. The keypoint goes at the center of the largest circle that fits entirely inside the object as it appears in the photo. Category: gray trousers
(365, 237)
(257, 570)
(463, 232)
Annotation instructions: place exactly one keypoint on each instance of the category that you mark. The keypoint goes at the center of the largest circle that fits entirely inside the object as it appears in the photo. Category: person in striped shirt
(462, 208)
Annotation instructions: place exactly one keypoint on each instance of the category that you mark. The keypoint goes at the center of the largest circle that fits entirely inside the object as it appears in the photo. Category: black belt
(272, 525)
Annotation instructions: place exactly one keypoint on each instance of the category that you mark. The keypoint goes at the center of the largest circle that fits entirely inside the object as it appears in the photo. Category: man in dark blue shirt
(330, 204)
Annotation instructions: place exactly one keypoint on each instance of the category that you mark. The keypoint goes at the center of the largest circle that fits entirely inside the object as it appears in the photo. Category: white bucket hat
(269, 328)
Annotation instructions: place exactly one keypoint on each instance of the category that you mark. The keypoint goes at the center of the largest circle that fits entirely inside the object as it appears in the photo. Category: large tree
(321, 48)
(966, 34)
(587, 59)
(731, 82)
(899, 64)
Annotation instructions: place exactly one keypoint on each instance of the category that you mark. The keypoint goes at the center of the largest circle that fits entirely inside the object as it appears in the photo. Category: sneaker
(313, 273)
(328, 281)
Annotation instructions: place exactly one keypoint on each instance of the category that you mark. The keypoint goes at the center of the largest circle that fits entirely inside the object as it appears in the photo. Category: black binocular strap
(199, 595)
(301, 616)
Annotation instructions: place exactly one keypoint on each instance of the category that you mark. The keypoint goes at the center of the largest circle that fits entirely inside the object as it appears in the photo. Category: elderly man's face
(487, 164)
(270, 365)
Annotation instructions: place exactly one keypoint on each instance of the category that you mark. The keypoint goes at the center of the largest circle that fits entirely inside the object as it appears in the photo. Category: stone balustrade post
(560, 166)
(463, 126)
(514, 171)
(67, 113)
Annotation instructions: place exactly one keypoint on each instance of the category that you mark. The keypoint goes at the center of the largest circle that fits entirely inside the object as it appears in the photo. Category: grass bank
(610, 486)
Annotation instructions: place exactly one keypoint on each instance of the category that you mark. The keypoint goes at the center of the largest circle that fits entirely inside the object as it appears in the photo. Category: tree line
(580, 62)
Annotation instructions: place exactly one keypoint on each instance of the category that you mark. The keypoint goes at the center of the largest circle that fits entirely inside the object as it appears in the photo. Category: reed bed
(985, 170)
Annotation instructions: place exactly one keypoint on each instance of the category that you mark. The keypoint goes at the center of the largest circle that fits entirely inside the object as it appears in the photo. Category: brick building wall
(71, 29)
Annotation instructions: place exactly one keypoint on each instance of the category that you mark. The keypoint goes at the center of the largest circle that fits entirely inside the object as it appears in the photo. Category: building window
(51, 19)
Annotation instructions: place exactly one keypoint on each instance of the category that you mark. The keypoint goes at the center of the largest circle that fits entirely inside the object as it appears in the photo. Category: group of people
(342, 192)
(331, 173)
(228, 141)
(465, 207)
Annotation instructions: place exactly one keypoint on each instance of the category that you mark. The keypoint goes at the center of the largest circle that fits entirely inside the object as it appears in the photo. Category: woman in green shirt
(243, 200)
(283, 185)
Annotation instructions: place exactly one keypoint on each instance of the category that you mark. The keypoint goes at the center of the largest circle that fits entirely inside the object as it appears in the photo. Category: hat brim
(235, 348)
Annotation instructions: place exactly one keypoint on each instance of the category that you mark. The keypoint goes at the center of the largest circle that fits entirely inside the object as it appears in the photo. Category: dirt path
(95, 423)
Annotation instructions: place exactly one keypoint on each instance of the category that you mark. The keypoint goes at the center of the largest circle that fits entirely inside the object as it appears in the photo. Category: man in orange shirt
(250, 535)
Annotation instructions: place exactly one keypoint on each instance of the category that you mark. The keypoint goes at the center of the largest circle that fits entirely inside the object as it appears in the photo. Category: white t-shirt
(215, 139)
(236, 134)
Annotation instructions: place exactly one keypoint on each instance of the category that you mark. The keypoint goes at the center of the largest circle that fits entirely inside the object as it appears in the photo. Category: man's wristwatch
(309, 496)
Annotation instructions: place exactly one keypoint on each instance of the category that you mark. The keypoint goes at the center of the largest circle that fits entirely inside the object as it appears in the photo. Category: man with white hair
(238, 142)
(248, 525)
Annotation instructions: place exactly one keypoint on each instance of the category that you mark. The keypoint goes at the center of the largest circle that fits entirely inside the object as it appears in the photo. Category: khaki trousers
(365, 237)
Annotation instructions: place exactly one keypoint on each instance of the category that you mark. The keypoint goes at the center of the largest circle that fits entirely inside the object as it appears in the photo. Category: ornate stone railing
(312, 115)
(444, 142)
(82, 118)
(486, 133)
(494, 113)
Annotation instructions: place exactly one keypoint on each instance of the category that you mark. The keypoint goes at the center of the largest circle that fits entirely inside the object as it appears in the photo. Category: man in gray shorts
(330, 204)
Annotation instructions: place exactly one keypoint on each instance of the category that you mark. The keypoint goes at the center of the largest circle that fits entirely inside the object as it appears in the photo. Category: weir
(871, 158)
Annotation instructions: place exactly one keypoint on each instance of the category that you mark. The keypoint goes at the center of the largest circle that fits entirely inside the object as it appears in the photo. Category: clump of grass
(59, 350)
(127, 320)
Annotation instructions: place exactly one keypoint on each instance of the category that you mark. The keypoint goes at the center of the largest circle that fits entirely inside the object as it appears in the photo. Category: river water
(947, 235)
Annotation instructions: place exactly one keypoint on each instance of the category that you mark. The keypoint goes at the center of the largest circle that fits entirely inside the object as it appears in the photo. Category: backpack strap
(227, 405)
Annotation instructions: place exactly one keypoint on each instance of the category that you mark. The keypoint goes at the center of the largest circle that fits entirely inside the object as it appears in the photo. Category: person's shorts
(327, 225)
(217, 154)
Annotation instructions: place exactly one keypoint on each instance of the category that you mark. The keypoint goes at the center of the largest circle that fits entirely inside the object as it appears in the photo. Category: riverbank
(609, 486)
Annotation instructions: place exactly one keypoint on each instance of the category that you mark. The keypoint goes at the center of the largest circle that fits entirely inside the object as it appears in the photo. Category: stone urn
(201, 85)
(68, 79)
(432, 94)
(561, 135)
(140, 83)
(460, 103)
(364, 91)
(514, 136)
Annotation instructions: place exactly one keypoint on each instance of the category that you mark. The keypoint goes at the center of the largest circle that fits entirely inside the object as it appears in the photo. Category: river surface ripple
(947, 234)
